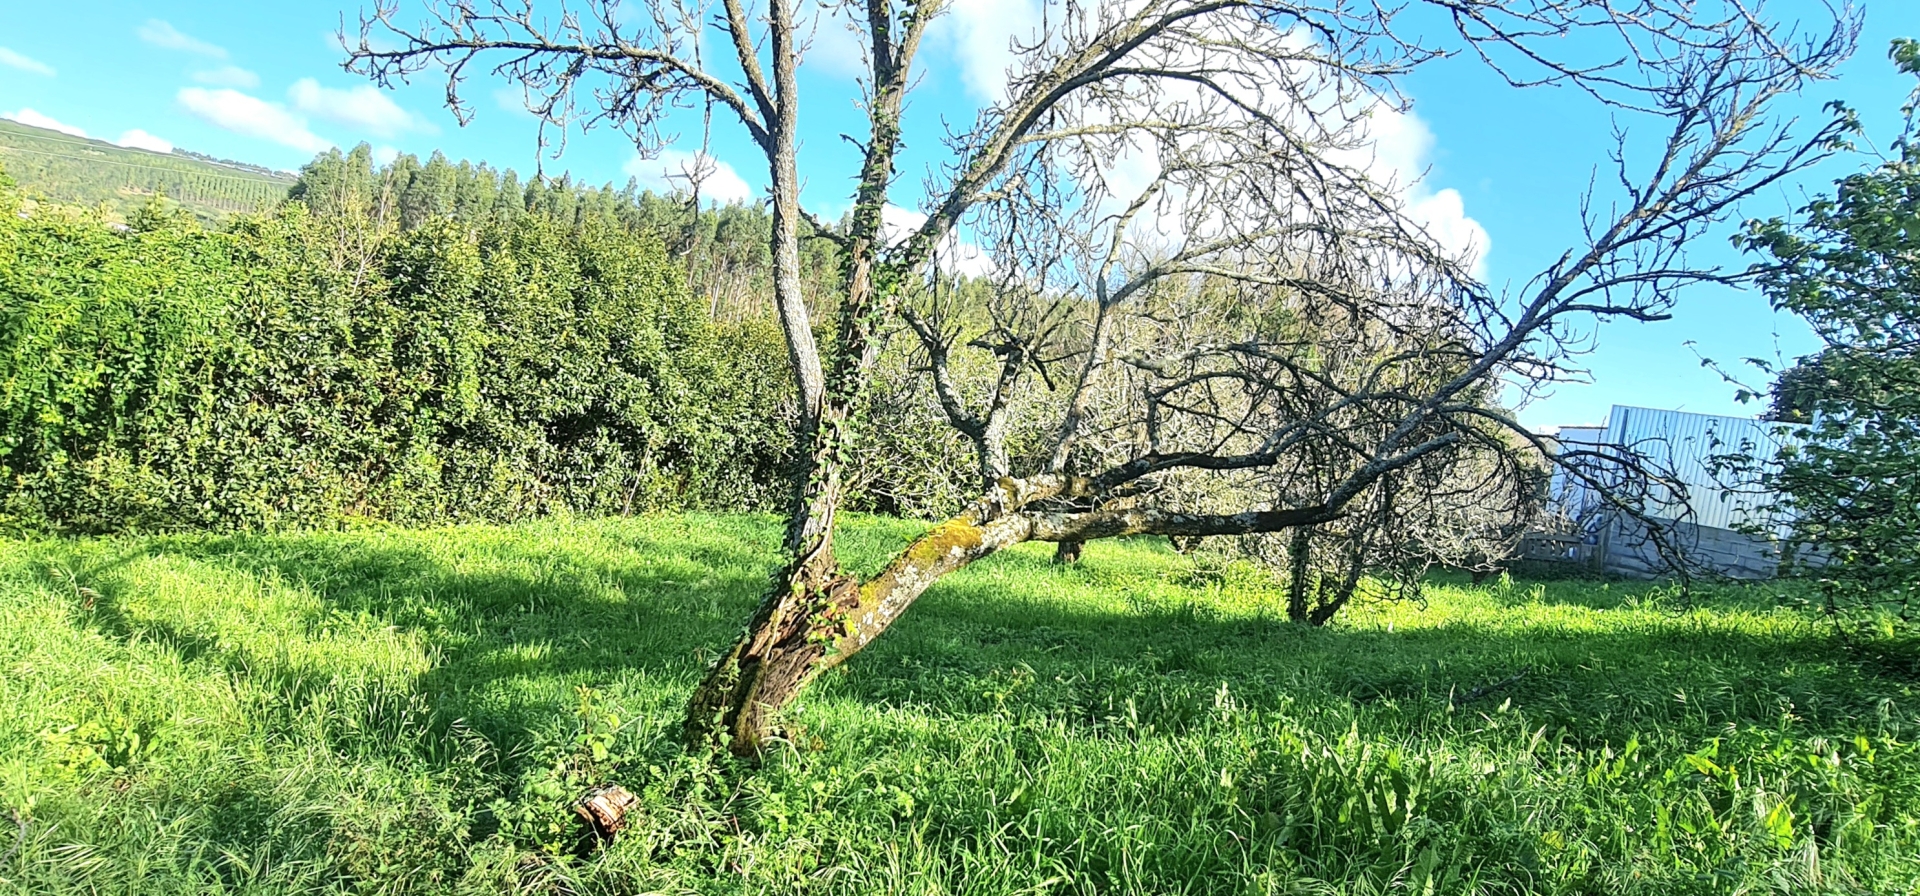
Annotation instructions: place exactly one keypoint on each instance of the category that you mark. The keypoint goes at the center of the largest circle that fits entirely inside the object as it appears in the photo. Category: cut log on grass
(604, 809)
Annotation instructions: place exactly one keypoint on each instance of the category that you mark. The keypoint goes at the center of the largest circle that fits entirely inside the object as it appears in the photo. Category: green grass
(410, 712)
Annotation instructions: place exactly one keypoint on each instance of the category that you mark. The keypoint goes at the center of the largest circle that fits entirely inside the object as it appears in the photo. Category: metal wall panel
(1687, 444)
(1712, 506)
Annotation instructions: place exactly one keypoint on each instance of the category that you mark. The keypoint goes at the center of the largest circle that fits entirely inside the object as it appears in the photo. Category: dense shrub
(298, 369)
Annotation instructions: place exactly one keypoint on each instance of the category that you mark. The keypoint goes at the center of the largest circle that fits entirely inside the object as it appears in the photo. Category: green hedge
(298, 370)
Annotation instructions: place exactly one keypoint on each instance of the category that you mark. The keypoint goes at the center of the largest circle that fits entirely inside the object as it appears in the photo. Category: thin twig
(20, 838)
(1485, 691)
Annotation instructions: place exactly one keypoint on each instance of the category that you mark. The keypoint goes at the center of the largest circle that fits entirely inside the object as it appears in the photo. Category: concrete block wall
(1626, 550)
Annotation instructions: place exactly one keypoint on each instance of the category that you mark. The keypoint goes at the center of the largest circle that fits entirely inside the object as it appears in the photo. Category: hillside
(63, 168)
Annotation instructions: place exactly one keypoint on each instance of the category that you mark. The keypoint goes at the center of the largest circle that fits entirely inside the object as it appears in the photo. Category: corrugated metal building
(1707, 514)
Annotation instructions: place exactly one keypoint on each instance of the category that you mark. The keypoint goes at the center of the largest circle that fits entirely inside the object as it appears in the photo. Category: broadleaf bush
(305, 369)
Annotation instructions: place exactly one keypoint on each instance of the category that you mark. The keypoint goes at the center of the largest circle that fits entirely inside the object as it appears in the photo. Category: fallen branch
(1481, 693)
(20, 837)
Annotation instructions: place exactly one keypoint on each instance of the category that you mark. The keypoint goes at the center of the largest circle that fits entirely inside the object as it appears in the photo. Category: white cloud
(673, 172)
(34, 119)
(135, 138)
(383, 155)
(242, 114)
(161, 34)
(512, 99)
(228, 76)
(1444, 215)
(364, 108)
(896, 223)
(954, 255)
(834, 48)
(23, 62)
(1400, 144)
(981, 33)
(139, 139)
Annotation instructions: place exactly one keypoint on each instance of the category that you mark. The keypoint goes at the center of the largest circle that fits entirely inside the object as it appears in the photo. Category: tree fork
(817, 622)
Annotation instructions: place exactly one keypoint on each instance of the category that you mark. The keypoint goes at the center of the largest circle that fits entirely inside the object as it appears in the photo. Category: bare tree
(1254, 111)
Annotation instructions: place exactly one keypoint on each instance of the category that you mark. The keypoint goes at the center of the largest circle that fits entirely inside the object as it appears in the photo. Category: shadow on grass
(513, 623)
(970, 644)
(509, 624)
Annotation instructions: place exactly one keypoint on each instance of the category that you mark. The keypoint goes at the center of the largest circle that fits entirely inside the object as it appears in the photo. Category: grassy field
(410, 712)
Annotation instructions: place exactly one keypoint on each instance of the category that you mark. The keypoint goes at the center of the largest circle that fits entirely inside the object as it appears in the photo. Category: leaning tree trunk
(817, 616)
(776, 656)
(798, 626)
(784, 642)
(1315, 599)
(1299, 573)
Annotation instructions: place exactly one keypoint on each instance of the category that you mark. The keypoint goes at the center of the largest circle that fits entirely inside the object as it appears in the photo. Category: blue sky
(262, 82)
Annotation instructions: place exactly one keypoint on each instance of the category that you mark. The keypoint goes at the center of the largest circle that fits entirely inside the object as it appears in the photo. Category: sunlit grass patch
(411, 711)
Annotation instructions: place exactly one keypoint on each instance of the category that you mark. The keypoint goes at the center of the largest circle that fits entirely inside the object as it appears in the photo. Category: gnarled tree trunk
(778, 654)
(816, 616)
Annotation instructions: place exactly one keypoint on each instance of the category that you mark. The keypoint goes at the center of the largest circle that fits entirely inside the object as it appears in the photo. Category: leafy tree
(723, 248)
(1851, 266)
(430, 193)
(337, 184)
(509, 201)
(1798, 390)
